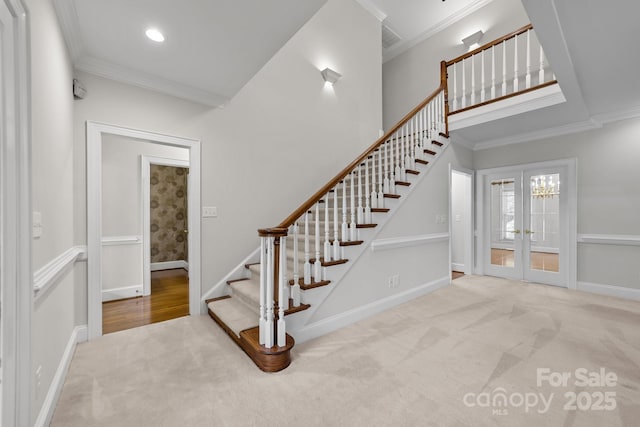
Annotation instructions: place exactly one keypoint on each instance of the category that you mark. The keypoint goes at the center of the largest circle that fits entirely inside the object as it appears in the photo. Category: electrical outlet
(393, 281)
(209, 212)
(390, 282)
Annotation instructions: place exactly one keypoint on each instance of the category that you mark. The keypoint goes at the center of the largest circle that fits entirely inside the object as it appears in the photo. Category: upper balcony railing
(509, 66)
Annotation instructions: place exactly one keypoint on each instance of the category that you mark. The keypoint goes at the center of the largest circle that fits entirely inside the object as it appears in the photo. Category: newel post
(272, 286)
(445, 88)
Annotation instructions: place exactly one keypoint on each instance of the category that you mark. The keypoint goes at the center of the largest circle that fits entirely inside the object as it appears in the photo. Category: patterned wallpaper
(168, 213)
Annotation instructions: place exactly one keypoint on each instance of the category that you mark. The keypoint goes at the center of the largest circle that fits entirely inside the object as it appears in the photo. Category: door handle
(516, 231)
(529, 232)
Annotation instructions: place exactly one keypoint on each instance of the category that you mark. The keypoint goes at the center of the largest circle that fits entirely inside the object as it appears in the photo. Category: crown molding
(616, 116)
(449, 20)
(372, 9)
(70, 25)
(156, 83)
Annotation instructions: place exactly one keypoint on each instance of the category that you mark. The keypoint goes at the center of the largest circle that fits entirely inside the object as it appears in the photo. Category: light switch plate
(209, 212)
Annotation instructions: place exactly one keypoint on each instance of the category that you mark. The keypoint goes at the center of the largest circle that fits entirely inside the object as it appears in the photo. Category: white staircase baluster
(380, 179)
(455, 87)
(360, 211)
(473, 80)
(418, 141)
(411, 147)
(493, 72)
(504, 68)
(282, 300)
(263, 291)
(527, 81)
(464, 86)
(367, 194)
(295, 288)
(387, 179)
(541, 70)
(394, 170)
(307, 255)
(482, 81)
(374, 193)
(402, 160)
(268, 335)
(317, 266)
(327, 243)
(441, 109)
(353, 235)
(345, 225)
(515, 64)
(336, 226)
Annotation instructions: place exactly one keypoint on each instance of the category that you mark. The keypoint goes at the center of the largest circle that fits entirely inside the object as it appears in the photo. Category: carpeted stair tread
(235, 314)
(248, 291)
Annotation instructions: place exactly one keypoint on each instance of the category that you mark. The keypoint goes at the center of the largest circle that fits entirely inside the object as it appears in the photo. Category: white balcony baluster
(482, 81)
(374, 193)
(541, 70)
(393, 169)
(464, 86)
(504, 68)
(473, 80)
(527, 81)
(515, 64)
(402, 160)
(380, 179)
(455, 87)
(493, 72)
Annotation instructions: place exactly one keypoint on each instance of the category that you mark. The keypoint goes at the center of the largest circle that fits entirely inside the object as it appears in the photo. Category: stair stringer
(299, 322)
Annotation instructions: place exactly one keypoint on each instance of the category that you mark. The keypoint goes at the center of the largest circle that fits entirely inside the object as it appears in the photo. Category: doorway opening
(118, 249)
(461, 222)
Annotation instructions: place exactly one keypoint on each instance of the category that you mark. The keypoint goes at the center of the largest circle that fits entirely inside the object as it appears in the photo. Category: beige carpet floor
(466, 355)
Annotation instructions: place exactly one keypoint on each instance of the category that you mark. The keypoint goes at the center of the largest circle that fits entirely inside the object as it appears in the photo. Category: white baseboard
(121, 293)
(341, 320)
(457, 267)
(169, 265)
(609, 290)
(78, 335)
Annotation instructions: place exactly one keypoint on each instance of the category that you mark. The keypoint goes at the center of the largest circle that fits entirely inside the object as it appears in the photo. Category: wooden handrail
(491, 44)
(340, 176)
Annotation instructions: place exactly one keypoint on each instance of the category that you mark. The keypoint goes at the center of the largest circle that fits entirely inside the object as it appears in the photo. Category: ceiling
(214, 47)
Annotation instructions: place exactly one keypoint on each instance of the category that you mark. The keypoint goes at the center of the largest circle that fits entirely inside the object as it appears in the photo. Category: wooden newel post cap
(273, 232)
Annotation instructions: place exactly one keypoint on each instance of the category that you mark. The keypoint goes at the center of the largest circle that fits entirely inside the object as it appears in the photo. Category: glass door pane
(504, 198)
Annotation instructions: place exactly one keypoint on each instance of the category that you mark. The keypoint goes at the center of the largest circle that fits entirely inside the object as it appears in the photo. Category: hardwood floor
(539, 260)
(169, 299)
(456, 275)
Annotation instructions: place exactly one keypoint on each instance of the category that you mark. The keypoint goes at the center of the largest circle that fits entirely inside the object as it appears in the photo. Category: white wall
(411, 76)
(461, 215)
(52, 188)
(279, 140)
(122, 265)
(608, 193)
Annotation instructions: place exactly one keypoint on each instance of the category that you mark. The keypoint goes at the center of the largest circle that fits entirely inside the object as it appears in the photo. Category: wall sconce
(330, 76)
(473, 40)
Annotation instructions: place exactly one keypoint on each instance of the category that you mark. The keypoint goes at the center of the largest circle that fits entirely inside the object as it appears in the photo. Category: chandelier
(544, 186)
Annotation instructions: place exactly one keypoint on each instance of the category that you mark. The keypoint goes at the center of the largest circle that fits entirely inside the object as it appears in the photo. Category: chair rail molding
(404, 241)
(56, 269)
(610, 239)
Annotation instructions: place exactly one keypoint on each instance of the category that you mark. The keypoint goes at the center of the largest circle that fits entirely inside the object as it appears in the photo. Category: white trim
(405, 241)
(372, 9)
(52, 272)
(121, 240)
(16, 279)
(78, 335)
(399, 48)
(539, 135)
(94, 215)
(169, 265)
(469, 253)
(116, 72)
(239, 272)
(341, 320)
(615, 116)
(145, 191)
(610, 290)
(519, 104)
(457, 267)
(70, 25)
(121, 293)
(610, 239)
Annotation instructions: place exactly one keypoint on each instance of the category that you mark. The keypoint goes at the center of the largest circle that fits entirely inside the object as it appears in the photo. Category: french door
(526, 218)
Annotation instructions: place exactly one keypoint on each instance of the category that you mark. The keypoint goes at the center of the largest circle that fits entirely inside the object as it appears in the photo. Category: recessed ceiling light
(155, 35)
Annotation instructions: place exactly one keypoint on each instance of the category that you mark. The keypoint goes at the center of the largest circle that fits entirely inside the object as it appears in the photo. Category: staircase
(303, 254)
(311, 250)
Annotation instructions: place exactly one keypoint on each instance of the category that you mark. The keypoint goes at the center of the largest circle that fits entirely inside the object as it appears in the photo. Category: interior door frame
(147, 161)
(570, 234)
(16, 278)
(95, 131)
(469, 227)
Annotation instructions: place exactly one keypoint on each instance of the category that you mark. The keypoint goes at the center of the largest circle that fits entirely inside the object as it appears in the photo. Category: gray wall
(608, 193)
